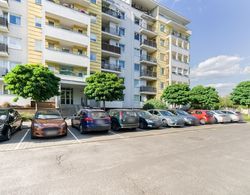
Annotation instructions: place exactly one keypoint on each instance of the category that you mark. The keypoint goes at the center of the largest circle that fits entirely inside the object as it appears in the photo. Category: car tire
(133, 129)
(165, 124)
(8, 134)
(202, 121)
(115, 126)
(142, 125)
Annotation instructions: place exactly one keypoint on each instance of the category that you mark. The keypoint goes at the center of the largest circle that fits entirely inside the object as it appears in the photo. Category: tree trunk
(104, 105)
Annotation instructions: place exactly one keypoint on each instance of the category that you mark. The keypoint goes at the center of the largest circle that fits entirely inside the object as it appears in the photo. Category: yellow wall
(34, 33)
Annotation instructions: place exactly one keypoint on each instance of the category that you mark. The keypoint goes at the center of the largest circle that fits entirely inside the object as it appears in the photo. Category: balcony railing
(111, 12)
(70, 73)
(111, 48)
(140, 8)
(113, 67)
(147, 27)
(179, 35)
(67, 29)
(148, 58)
(70, 6)
(147, 89)
(112, 31)
(148, 73)
(3, 22)
(4, 48)
(149, 43)
(67, 52)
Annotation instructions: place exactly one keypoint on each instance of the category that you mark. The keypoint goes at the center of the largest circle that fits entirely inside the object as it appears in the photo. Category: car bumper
(98, 128)
(176, 124)
(129, 126)
(154, 125)
(40, 133)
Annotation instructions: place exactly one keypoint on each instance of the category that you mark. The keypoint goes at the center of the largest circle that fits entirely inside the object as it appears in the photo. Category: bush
(154, 104)
(6, 105)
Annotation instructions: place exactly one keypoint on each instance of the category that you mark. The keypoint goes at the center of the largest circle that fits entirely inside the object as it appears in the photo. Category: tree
(154, 104)
(226, 102)
(32, 81)
(104, 87)
(204, 97)
(241, 94)
(177, 94)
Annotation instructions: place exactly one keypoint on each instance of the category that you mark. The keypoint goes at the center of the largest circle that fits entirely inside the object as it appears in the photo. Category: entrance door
(67, 96)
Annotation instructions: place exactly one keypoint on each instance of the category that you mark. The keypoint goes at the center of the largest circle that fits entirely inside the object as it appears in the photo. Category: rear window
(129, 113)
(98, 114)
(209, 113)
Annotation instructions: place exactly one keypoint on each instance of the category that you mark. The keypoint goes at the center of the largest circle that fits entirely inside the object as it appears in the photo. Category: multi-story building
(141, 41)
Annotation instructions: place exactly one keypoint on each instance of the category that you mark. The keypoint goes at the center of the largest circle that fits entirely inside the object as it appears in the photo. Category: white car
(221, 117)
(235, 116)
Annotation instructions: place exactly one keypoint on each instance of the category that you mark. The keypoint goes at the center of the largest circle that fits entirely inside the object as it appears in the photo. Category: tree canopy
(104, 87)
(32, 81)
(154, 104)
(241, 94)
(177, 94)
(204, 97)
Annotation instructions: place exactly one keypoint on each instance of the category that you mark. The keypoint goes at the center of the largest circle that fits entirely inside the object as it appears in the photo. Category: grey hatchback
(123, 119)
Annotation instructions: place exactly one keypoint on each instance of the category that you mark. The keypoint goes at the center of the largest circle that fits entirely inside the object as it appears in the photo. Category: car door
(78, 117)
(18, 120)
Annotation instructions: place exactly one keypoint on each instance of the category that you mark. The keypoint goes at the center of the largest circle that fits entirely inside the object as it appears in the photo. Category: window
(51, 23)
(122, 63)
(137, 21)
(174, 70)
(137, 67)
(136, 83)
(136, 98)
(93, 56)
(162, 57)
(18, 1)
(122, 15)
(38, 22)
(122, 46)
(137, 52)
(179, 71)
(185, 72)
(162, 71)
(51, 68)
(93, 18)
(13, 64)
(162, 42)
(162, 28)
(137, 36)
(15, 19)
(93, 1)
(38, 2)
(162, 86)
(51, 45)
(122, 31)
(38, 45)
(93, 37)
(15, 43)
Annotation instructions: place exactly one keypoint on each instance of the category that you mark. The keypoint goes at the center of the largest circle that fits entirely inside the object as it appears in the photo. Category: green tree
(226, 102)
(32, 81)
(104, 87)
(177, 94)
(154, 104)
(241, 94)
(204, 97)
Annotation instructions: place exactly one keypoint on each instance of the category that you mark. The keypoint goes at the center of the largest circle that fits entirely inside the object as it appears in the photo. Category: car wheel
(115, 126)
(165, 124)
(142, 125)
(8, 134)
(202, 121)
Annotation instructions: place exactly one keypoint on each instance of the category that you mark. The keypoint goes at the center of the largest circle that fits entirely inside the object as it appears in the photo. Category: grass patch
(246, 118)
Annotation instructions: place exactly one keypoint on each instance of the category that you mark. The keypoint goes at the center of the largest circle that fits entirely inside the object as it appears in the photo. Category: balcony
(110, 50)
(146, 59)
(148, 75)
(149, 45)
(3, 24)
(110, 67)
(64, 10)
(4, 50)
(148, 90)
(111, 33)
(111, 15)
(68, 58)
(3, 71)
(149, 31)
(4, 3)
(66, 76)
(67, 35)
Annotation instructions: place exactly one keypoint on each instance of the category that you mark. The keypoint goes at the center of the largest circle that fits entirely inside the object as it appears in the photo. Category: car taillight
(121, 115)
(88, 119)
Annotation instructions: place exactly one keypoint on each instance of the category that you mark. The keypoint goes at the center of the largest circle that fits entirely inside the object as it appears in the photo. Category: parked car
(148, 120)
(221, 117)
(91, 120)
(234, 115)
(48, 123)
(10, 122)
(124, 119)
(204, 116)
(168, 118)
(188, 118)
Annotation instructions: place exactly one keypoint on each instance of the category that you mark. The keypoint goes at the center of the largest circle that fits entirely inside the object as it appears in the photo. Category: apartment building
(146, 44)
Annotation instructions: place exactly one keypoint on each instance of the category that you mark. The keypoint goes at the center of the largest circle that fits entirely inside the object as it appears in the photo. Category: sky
(220, 41)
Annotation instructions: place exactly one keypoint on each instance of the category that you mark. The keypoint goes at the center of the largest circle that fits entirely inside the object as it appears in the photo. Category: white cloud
(221, 85)
(219, 66)
(247, 70)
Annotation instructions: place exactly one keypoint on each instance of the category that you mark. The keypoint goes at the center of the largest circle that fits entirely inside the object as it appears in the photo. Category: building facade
(146, 44)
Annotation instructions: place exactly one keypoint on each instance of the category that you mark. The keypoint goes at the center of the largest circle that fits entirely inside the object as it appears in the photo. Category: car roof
(48, 111)
(127, 110)
(159, 109)
(89, 110)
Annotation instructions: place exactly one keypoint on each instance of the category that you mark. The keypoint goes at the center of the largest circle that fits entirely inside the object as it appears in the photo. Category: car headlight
(37, 125)
(149, 121)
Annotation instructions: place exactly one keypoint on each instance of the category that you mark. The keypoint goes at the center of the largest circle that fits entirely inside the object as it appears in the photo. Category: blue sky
(220, 43)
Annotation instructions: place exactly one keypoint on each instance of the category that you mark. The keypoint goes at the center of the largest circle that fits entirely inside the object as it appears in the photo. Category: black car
(89, 120)
(10, 122)
(148, 120)
(188, 118)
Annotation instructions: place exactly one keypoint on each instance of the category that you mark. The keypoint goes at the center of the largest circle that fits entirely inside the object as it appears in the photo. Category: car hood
(50, 122)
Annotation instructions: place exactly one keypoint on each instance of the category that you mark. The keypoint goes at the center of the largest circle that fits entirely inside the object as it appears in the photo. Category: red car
(204, 116)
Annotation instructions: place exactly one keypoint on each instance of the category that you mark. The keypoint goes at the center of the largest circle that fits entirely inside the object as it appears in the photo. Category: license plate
(99, 122)
(51, 132)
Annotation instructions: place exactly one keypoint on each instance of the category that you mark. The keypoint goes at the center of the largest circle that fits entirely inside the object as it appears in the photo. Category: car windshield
(181, 112)
(45, 115)
(166, 113)
(98, 114)
(3, 115)
(144, 114)
(209, 113)
(218, 112)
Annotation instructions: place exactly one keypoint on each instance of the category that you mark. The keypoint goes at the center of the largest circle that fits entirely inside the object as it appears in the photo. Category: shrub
(6, 105)
(154, 104)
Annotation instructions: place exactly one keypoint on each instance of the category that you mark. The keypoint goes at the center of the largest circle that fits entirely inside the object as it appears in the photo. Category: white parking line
(21, 141)
(74, 136)
(113, 133)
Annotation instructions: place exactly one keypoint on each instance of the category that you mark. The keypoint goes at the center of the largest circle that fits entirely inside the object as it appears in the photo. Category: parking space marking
(21, 141)
(74, 136)
(114, 133)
